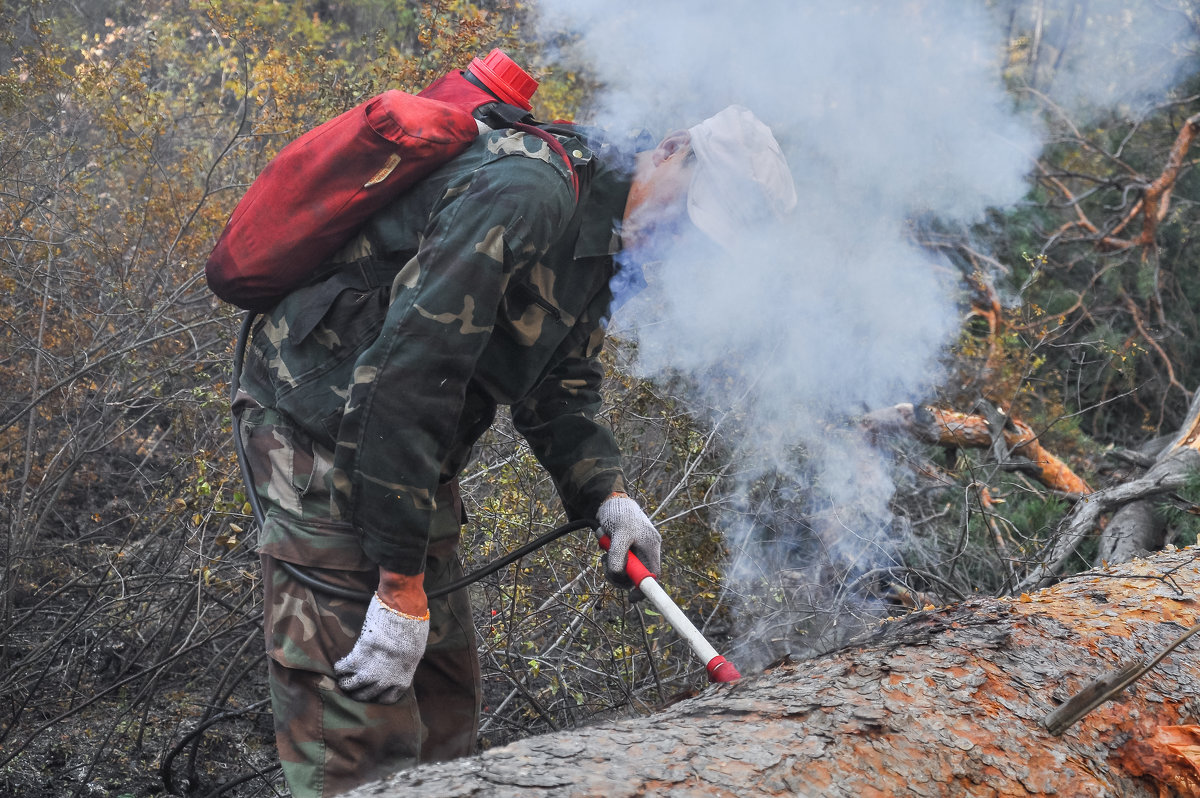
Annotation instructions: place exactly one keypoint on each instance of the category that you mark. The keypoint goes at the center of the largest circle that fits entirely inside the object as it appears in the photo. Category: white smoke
(887, 111)
(1103, 56)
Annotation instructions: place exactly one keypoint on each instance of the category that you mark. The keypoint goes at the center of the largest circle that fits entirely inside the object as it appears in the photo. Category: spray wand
(719, 668)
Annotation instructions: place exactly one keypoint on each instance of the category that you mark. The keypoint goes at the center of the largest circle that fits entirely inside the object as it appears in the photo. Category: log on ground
(1134, 528)
(943, 702)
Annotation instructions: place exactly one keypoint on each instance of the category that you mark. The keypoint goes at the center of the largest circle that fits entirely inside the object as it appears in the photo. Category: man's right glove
(380, 667)
(628, 528)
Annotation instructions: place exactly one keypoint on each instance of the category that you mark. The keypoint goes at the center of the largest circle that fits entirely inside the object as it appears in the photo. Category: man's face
(657, 206)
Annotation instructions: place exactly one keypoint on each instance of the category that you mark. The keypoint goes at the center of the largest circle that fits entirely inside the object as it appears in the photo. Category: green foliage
(1032, 515)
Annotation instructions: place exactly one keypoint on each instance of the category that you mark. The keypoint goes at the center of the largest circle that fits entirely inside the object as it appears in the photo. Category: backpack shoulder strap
(502, 115)
(556, 147)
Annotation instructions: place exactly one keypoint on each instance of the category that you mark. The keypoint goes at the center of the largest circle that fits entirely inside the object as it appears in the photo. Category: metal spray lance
(719, 668)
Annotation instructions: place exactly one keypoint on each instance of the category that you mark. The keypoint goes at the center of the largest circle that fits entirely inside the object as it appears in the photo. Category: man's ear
(673, 143)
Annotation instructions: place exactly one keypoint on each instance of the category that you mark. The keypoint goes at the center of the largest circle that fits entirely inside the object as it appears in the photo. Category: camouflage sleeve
(408, 387)
(558, 419)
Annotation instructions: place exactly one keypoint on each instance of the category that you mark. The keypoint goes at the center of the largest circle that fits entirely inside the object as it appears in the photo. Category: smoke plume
(1102, 56)
(887, 112)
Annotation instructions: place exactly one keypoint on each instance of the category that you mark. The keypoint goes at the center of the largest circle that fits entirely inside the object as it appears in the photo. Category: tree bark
(1134, 530)
(943, 702)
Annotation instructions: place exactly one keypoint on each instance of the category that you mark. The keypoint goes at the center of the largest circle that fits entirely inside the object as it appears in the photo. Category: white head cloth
(741, 178)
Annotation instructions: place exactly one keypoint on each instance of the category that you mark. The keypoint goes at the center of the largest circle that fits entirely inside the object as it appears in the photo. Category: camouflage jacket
(483, 285)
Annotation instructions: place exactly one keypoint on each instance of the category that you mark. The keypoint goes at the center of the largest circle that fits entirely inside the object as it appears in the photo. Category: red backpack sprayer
(357, 158)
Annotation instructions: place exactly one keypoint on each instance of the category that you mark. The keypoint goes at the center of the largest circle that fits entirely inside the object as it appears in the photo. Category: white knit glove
(628, 528)
(380, 667)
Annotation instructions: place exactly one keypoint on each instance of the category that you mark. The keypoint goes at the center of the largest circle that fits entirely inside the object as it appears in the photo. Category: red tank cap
(502, 75)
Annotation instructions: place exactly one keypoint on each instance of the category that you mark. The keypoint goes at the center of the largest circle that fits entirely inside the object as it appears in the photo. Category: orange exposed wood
(1158, 196)
(986, 305)
(1152, 207)
(969, 431)
(1169, 756)
(960, 429)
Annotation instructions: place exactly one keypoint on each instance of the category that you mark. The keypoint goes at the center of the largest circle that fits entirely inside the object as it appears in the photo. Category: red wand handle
(719, 668)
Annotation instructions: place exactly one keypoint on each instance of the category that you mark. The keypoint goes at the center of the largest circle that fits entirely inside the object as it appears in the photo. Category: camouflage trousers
(328, 743)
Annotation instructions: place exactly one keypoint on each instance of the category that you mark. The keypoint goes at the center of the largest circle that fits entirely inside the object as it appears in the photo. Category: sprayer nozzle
(722, 670)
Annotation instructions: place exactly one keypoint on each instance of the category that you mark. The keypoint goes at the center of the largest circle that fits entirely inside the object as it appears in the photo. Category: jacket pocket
(279, 462)
(319, 335)
(324, 543)
(529, 315)
(306, 628)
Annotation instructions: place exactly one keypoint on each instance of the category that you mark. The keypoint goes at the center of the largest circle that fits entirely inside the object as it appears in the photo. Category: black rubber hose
(318, 584)
(516, 554)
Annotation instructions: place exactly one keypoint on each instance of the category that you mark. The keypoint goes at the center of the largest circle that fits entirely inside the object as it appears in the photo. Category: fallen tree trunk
(943, 702)
(1134, 528)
